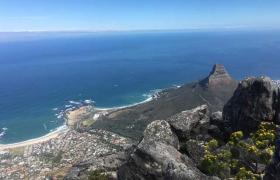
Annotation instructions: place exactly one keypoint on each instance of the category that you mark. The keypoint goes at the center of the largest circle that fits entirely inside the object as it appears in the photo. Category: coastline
(150, 97)
(60, 130)
(64, 128)
(125, 106)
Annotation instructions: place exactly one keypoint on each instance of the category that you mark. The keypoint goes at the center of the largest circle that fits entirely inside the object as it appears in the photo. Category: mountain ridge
(130, 122)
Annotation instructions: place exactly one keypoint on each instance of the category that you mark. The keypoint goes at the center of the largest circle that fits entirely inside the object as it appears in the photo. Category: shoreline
(60, 130)
(64, 128)
(125, 106)
(149, 98)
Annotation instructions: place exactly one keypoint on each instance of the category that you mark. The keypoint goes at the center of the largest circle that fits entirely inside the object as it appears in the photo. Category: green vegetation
(240, 157)
(88, 122)
(19, 151)
(98, 175)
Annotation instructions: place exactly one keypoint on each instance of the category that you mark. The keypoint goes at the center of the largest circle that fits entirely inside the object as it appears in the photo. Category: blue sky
(110, 15)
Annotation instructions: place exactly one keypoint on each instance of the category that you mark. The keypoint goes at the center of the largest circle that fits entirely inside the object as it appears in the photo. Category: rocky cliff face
(218, 77)
(255, 100)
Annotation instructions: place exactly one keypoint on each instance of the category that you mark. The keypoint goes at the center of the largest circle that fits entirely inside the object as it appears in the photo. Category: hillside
(214, 90)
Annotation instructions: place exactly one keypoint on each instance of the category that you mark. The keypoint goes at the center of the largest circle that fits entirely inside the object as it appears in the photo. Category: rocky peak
(218, 77)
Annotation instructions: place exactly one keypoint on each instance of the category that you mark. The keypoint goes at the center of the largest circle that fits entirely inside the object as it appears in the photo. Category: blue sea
(42, 74)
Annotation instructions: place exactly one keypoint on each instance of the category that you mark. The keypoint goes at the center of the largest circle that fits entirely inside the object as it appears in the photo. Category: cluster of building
(56, 156)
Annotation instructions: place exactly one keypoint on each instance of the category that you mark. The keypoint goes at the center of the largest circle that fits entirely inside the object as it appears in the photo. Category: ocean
(42, 74)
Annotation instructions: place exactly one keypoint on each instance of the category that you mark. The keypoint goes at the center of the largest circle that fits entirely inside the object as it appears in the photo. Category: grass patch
(19, 151)
(88, 122)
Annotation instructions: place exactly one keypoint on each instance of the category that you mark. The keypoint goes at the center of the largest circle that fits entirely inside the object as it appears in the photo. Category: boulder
(216, 118)
(159, 161)
(160, 131)
(253, 101)
(157, 157)
(217, 125)
(194, 149)
(190, 123)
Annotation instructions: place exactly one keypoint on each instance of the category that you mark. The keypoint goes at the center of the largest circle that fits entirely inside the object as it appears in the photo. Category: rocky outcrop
(195, 150)
(157, 156)
(254, 100)
(218, 77)
(158, 160)
(190, 123)
(73, 117)
(216, 118)
(160, 131)
(217, 125)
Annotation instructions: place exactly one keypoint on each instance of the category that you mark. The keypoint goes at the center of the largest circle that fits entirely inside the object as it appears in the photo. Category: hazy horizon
(125, 15)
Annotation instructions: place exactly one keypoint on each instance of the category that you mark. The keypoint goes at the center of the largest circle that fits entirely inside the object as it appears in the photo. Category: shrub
(98, 175)
(244, 174)
(240, 157)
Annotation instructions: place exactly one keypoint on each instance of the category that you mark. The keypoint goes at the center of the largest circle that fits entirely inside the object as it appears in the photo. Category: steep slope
(214, 90)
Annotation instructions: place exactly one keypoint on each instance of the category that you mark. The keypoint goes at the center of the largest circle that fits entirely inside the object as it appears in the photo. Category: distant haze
(119, 15)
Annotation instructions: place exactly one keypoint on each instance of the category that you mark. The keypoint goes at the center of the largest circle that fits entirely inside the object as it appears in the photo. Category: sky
(126, 15)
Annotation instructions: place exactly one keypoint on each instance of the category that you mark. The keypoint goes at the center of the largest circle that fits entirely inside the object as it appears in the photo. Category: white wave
(68, 106)
(176, 86)
(88, 101)
(45, 127)
(60, 128)
(60, 115)
(2, 134)
(55, 109)
(4, 130)
(75, 102)
(149, 97)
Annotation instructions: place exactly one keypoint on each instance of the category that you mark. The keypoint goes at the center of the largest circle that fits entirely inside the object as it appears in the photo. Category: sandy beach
(51, 135)
(72, 117)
